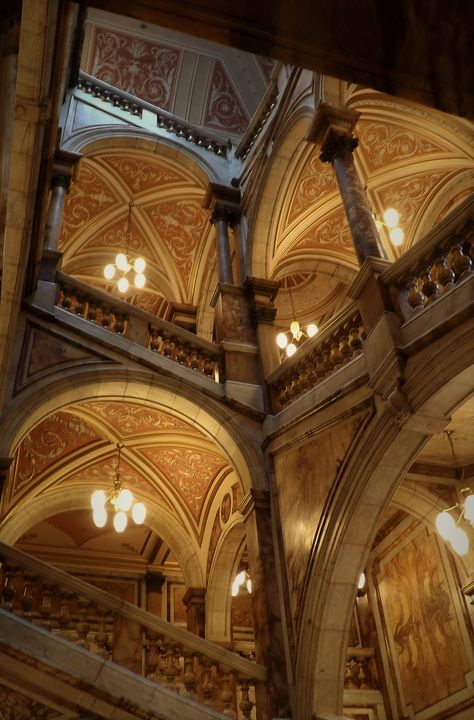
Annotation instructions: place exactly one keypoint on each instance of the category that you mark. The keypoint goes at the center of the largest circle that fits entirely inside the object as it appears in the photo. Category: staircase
(59, 644)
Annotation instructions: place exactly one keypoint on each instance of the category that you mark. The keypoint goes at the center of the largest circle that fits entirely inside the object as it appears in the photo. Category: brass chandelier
(123, 265)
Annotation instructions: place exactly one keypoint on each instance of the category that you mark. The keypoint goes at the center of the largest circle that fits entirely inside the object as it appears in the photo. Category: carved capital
(223, 201)
(337, 145)
(332, 128)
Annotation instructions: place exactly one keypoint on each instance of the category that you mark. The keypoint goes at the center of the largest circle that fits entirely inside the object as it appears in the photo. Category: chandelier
(449, 526)
(290, 340)
(121, 500)
(123, 265)
(241, 580)
(391, 218)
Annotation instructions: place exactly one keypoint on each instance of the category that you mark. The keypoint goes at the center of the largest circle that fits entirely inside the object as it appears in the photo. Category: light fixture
(391, 218)
(121, 500)
(242, 579)
(123, 265)
(361, 585)
(290, 340)
(449, 527)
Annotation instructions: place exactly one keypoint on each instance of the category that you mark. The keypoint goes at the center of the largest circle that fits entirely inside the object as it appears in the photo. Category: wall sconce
(391, 218)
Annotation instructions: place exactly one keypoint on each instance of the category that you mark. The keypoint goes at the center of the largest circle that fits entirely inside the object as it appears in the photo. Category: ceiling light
(292, 338)
(123, 265)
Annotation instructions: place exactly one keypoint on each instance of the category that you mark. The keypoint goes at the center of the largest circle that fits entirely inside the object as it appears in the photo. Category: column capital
(262, 289)
(223, 201)
(332, 128)
(194, 595)
(64, 168)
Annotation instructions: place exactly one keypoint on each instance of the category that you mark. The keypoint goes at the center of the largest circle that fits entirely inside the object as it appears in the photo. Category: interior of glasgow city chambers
(236, 360)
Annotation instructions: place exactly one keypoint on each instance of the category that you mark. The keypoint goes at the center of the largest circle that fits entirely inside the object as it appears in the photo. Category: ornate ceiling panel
(224, 111)
(128, 419)
(315, 182)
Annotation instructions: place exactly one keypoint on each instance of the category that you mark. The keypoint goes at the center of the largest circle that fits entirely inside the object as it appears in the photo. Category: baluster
(66, 300)
(27, 600)
(168, 346)
(348, 676)
(335, 355)
(355, 340)
(154, 339)
(461, 263)
(429, 287)
(170, 669)
(469, 235)
(101, 637)
(327, 363)
(152, 645)
(92, 312)
(189, 675)
(245, 704)
(208, 366)
(445, 276)
(119, 326)
(344, 347)
(181, 354)
(9, 590)
(227, 695)
(414, 297)
(194, 360)
(46, 608)
(80, 303)
(105, 318)
(362, 675)
(207, 685)
(82, 626)
(66, 620)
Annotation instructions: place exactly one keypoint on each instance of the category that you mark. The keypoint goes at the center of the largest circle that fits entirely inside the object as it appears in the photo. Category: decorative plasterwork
(224, 110)
(129, 419)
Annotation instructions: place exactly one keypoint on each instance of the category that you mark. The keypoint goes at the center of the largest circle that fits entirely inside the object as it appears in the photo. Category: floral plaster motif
(129, 419)
(140, 175)
(52, 439)
(180, 225)
(135, 65)
(224, 110)
(88, 198)
(103, 472)
(16, 706)
(191, 472)
(317, 179)
(267, 65)
(386, 144)
(332, 230)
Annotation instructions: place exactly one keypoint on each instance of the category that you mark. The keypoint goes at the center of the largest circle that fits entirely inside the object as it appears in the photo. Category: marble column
(195, 601)
(262, 294)
(59, 188)
(5, 463)
(332, 129)
(240, 245)
(272, 699)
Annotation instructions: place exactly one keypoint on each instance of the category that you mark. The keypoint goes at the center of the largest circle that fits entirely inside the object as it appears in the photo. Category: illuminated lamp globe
(123, 285)
(120, 521)
(235, 588)
(98, 499)
(139, 281)
(122, 262)
(469, 508)
(445, 525)
(391, 217)
(281, 340)
(138, 513)
(240, 577)
(249, 586)
(291, 349)
(109, 272)
(99, 516)
(361, 581)
(396, 235)
(294, 327)
(459, 541)
(311, 330)
(139, 265)
(124, 500)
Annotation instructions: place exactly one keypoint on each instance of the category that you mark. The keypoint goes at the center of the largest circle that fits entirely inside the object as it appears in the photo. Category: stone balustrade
(82, 614)
(155, 334)
(435, 265)
(338, 342)
(360, 671)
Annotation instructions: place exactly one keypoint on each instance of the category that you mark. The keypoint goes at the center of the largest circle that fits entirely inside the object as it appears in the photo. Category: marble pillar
(195, 601)
(5, 463)
(332, 128)
(262, 294)
(272, 699)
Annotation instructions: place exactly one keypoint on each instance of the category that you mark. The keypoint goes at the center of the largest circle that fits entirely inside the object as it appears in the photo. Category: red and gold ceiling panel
(224, 111)
(128, 419)
(50, 441)
(135, 64)
(328, 233)
(190, 471)
(315, 182)
(141, 175)
(384, 144)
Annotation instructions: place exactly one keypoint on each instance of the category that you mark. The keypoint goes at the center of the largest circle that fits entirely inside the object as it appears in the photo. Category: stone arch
(223, 569)
(435, 386)
(31, 512)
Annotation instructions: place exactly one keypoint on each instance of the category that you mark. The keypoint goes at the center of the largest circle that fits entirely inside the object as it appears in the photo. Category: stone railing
(360, 672)
(157, 335)
(164, 120)
(435, 265)
(338, 342)
(85, 615)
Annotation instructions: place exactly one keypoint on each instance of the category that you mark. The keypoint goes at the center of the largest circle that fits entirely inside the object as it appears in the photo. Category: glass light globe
(249, 586)
(138, 513)
(140, 281)
(311, 330)
(122, 262)
(123, 285)
(291, 349)
(445, 525)
(281, 340)
(120, 521)
(459, 541)
(469, 508)
(98, 499)
(99, 517)
(240, 578)
(109, 271)
(396, 235)
(294, 327)
(235, 588)
(391, 217)
(124, 500)
(361, 581)
(139, 265)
